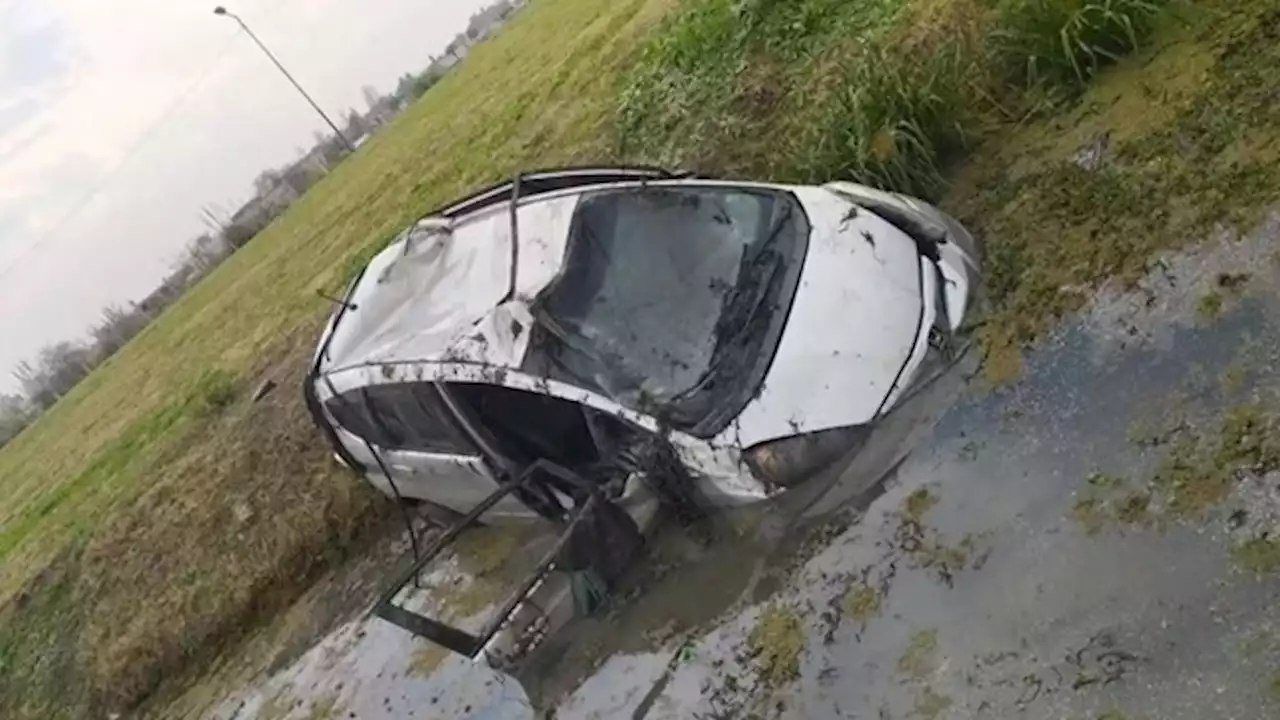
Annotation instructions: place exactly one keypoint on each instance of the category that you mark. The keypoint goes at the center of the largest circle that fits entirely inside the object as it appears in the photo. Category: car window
(398, 416)
(668, 295)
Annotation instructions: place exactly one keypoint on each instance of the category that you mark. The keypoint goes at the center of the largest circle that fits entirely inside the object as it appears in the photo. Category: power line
(135, 148)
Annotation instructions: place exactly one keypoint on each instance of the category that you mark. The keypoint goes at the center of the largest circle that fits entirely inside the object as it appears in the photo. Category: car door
(418, 441)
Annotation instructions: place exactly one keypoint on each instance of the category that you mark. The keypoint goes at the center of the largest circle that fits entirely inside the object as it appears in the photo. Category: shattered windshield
(668, 295)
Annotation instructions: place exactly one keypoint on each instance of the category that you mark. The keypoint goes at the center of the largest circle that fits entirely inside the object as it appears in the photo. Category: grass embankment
(153, 514)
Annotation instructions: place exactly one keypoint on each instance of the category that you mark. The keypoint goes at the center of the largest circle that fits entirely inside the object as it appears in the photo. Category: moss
(1104, 481)
(776, 642)
(1132, 509)
(1209, 306)
(861, 603)
(1198, 474)
(917, 659)
(1260, 555)
(918, 503)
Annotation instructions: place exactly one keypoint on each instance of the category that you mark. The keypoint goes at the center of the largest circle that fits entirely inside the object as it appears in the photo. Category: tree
(56, 370)
(266, 181)
(371, 96)
(118, 327)
(356, 125)
(15, 414)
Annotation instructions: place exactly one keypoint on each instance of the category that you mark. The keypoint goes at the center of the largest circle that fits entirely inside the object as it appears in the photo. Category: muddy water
(970, 583)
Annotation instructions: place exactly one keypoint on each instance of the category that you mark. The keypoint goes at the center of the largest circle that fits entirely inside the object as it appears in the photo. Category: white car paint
(854, 323)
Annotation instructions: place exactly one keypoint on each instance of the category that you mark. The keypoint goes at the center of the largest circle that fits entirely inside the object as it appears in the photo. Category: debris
(1090, 155)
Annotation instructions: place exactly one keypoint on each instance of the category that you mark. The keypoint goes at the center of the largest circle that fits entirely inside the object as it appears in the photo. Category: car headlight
(791, 461)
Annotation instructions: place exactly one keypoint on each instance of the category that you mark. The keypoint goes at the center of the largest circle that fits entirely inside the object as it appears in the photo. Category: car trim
(913, 357)
(537, 182)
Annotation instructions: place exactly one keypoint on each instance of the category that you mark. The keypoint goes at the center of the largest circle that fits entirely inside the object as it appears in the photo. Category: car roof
(432, 297)
(445, 296)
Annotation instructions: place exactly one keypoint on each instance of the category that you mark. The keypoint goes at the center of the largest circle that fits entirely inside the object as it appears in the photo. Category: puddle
(965, 586)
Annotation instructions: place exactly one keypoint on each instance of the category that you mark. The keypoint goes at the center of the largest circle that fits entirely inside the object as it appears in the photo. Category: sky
(121, 119)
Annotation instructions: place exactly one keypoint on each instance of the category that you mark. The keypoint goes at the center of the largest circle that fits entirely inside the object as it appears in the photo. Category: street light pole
(223, 11)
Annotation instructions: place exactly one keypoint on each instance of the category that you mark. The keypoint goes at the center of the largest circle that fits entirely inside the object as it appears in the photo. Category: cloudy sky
(120, 119)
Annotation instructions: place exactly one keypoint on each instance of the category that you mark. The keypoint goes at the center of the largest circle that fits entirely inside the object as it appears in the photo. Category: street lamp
(219, 10)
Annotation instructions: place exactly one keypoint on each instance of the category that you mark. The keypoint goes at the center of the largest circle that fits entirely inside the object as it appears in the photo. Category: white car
(758, 329)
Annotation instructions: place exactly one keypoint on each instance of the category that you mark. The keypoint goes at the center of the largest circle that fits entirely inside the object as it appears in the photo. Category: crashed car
(759, 329)
(587, 346)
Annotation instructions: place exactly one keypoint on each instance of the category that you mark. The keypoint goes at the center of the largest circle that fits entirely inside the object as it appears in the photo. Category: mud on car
(620, 337)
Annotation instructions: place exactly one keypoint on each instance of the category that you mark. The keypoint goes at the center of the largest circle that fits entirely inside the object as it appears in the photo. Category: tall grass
(1064, 43)
(884, 92)
(893, 123)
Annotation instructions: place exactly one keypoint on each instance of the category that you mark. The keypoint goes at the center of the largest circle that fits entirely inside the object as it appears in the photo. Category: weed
(894, 122)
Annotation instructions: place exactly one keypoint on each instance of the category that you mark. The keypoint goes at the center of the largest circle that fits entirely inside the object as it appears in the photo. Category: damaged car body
(632, 338)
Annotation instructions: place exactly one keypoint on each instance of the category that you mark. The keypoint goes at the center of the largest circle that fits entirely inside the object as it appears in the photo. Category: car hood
(854, 329)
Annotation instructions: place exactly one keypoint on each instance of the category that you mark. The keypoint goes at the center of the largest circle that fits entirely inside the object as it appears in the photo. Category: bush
(1064, 43)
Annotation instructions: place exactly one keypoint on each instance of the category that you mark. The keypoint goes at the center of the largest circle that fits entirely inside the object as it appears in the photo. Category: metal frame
(461, 641)
(537, 182)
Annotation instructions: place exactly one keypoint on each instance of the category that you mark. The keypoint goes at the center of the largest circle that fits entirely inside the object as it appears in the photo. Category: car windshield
(668, 295)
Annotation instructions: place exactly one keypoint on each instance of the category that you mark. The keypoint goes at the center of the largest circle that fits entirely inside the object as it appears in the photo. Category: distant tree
(118, 326)
(425, 81)
(371, 96)
(57, 369)
(266, 181)
(238, 233)
(356, 124)
(15, 414)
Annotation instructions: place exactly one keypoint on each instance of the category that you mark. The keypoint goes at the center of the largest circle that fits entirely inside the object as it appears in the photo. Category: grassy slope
(183, 517)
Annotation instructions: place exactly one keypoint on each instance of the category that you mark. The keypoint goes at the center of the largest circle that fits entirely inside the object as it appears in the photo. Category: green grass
(1064, 43)
(176, 514)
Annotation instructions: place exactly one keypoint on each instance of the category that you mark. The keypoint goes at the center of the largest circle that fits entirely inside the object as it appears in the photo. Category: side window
(398, 416)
